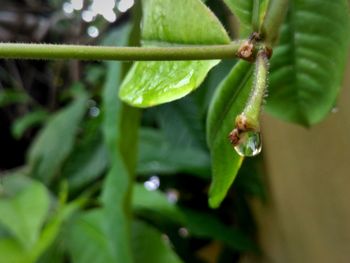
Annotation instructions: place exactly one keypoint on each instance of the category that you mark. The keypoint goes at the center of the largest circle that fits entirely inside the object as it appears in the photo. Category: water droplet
(183, 232)
(249, 144)
(152, 183)
(335, 110)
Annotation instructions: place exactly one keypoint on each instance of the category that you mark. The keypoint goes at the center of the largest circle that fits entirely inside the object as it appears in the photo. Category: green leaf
(55, 141)
(86, 239)
(167, 22)
(12, 252)
(148, 245)
(199, 224)
(8, 97)
(243, 9)
(22, 124)
(158, 155)
(24, 213)
(307, 65)
(120, 126)
(228, 101)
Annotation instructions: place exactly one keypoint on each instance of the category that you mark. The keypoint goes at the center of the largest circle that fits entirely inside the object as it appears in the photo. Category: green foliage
(82, 195)
(55, 141)
(244, 10)
(22, 218)
(21, 125)
(167, 22)
(307, 65)
(228, 101)
(153, 248)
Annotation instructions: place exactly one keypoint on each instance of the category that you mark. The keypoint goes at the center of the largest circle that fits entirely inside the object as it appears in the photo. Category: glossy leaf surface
(307, 65)
(228, 101)
(167, 22)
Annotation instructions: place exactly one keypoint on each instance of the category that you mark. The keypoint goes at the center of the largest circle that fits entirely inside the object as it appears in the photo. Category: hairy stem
(51, 51)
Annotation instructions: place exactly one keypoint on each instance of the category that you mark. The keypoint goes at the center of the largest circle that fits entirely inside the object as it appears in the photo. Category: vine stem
(84, 52)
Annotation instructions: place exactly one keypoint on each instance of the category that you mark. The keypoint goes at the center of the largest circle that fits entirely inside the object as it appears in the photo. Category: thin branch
(83, 52)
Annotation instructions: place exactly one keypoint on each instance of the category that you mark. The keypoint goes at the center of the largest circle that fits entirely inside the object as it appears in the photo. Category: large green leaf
(168, 22)
(55, 141)
(228, 101)
(307, 65)
(24, 213)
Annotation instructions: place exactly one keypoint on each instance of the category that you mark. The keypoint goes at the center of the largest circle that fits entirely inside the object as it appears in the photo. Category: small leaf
(167, 22)
(149, 246)
(228, 101)
(8, 97)
(55, 141)
(307, 65)
(24, 213)
(21, 125)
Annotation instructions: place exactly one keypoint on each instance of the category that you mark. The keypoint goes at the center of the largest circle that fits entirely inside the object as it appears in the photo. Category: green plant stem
(253, 106)
(273, 20)
(256, 14)
(52, 51)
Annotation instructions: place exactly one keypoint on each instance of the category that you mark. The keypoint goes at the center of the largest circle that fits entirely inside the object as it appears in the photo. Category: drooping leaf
(228, 101)
(148, 245)
(24, 213)
(243, 9)
(55, 141)
(198, 224)
(158, 155)
(166, 23)
(307, 65)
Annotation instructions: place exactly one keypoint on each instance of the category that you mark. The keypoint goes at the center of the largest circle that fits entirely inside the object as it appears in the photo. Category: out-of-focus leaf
(88, 165)
(167, 22)
(199, 224)
(307, 65)
(157, 155)
(89, 158)
(120, 134)
(182, 123)
(24, 214)
(55, 141)
(243, 9)
(228, 101)
(8, 97)
(27, 121)
(12, 252)
(149, 246)
(86, 239)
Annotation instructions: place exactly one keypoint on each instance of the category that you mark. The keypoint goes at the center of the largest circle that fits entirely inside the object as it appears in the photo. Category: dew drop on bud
(249, 144)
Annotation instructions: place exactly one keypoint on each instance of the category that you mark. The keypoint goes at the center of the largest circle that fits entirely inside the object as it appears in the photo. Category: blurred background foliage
(66, 152)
